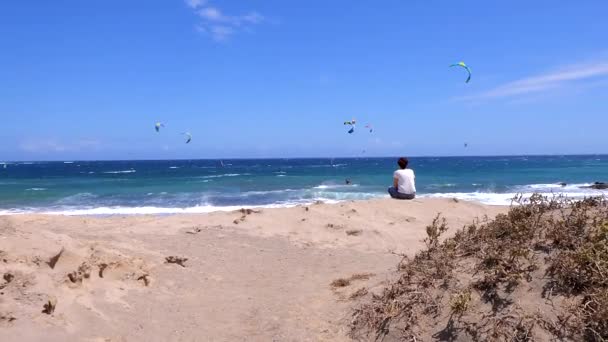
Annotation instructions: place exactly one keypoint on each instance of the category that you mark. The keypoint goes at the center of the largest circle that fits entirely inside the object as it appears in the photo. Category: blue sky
(276, 78)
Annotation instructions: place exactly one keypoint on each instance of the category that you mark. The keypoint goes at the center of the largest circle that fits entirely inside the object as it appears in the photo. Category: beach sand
(255, 276)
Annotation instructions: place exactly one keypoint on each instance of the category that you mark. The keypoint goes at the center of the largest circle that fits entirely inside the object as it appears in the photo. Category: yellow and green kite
(462, 65)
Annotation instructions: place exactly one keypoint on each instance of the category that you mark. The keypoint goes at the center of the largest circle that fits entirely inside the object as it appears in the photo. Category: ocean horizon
(81, 187)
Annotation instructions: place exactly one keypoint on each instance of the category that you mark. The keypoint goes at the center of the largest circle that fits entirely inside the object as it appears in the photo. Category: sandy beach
(249, 275)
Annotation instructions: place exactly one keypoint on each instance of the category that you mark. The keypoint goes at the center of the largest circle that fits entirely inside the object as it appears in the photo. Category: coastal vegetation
(538, 272)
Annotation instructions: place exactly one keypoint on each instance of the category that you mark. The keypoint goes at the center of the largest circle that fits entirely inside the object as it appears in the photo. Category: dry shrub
(554, 249)
(459, 303)
(343, 282)
(359, 293)
(340, 282)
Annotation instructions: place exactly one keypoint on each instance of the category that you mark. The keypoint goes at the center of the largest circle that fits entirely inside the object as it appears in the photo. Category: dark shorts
(396, 194)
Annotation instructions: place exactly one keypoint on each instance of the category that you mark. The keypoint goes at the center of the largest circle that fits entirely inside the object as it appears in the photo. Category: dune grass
(538, 272)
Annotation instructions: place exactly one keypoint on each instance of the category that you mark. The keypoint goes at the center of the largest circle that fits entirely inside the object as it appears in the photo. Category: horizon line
(288, 158)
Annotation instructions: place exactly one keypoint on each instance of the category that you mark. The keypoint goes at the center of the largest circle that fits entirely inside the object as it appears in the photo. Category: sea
(200, 186)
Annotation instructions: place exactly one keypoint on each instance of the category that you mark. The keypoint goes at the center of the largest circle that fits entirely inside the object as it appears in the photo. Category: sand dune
(249, 275)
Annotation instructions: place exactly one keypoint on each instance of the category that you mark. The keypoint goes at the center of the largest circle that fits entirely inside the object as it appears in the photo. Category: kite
(188, 137)
(466, 144)
(158, 125)
(351, 123)
(369, 126)
(462, 65)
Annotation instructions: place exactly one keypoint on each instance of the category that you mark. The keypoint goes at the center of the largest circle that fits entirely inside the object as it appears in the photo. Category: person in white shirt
(404, 185)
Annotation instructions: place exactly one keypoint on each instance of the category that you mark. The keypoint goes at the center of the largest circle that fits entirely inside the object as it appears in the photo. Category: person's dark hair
(403, 162)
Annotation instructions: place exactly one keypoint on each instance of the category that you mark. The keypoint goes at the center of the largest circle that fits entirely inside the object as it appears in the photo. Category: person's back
(404, 184)
(405, 181)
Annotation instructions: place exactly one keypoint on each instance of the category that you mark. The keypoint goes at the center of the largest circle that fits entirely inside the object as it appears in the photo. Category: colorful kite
(158, 125)
(351, 123)
(462, 65)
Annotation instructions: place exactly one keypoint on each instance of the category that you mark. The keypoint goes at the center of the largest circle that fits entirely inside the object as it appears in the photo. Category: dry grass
(459, 303)
(359, 293)
(343, 282)
(538, 272)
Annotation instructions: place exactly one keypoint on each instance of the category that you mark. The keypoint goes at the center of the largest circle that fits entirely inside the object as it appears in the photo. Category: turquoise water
(172, 186)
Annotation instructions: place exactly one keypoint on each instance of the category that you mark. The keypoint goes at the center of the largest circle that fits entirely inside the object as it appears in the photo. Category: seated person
(404, 186)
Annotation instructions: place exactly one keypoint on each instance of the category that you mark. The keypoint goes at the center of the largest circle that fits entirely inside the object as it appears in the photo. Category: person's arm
(396, 182)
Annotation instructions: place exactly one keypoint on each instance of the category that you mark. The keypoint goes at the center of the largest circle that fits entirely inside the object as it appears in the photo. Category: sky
(275, 78)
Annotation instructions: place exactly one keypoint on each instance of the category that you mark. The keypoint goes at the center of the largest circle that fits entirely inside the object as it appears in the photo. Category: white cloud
(212, 14)
(221, 33)
(253, 18)
(221, 26)
(544, 82)
(195, 3)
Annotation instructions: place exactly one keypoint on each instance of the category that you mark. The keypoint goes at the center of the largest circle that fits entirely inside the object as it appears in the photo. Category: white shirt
(405, 180)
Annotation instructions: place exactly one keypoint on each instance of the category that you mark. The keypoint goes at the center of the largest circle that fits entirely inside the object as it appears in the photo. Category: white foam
(148, 210)
(36, 189)
(226, 175)
(334, 186)
(174, 167)
(122, 171)
(446, 185)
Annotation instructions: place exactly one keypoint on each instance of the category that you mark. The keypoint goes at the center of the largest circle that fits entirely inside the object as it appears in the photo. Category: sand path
(259, 276)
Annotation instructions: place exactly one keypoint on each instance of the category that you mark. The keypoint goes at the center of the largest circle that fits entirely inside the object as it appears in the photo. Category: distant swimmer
(347, 181)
